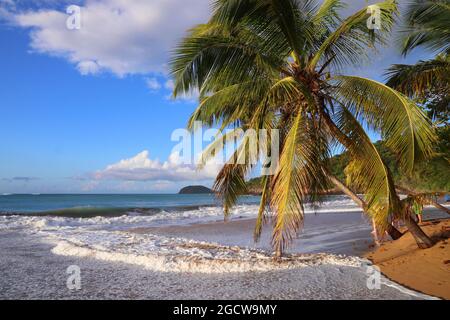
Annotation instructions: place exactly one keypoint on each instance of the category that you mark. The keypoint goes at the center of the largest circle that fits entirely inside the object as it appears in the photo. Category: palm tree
(276, 64)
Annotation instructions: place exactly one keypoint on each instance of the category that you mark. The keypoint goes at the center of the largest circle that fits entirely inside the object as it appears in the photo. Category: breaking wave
(104, 233)
(165, 254)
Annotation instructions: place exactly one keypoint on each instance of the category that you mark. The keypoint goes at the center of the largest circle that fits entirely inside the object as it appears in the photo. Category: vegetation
(427, 83)
(426, 25)
(264, 64)
(430, 176)
(195, 190)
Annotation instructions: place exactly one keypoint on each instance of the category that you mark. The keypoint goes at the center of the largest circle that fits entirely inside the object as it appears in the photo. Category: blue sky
(74, 105)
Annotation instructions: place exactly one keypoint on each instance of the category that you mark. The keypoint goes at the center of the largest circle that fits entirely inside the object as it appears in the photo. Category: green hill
(429, 176)
(195, 190)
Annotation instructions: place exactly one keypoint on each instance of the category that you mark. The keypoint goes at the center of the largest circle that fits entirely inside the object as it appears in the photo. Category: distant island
(195, 190)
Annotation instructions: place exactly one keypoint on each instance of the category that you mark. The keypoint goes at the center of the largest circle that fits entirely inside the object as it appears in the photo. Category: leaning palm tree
(266, 64)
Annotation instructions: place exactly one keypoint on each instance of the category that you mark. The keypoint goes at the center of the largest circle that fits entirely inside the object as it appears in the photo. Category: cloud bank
(20, 179)
(142, 168)
(118, 36)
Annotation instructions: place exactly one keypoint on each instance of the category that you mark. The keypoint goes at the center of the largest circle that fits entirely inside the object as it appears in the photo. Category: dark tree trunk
(391, 230)
(423, 241)
(278, 253)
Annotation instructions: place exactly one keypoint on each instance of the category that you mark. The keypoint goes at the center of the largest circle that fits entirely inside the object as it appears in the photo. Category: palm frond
(230, 182)
(405, 128)
(229, 185)
(206, 61)
(231, 103)
(427, 24)
(416, 80)
(349, 42)
(327, 15)
(219, 143)
(300, 174)
(285, 22)
(367, 170)
(261, 219)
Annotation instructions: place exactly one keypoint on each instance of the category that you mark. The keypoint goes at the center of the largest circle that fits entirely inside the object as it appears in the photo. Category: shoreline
(40, 274)
(119, 263)
(434, 274)
(335, 233)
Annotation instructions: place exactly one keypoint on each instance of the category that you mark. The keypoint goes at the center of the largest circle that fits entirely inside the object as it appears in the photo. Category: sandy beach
(339, 233)
(211, 260)
(40, 274)
(428, 270)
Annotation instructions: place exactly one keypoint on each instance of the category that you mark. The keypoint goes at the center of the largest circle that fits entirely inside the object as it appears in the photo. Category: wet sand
(337, 233)
(428, 270)
(30, 271)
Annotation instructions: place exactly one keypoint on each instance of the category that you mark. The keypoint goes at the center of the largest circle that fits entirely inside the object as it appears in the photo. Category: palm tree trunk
(392, 231)
(422, 240)
(278, 253)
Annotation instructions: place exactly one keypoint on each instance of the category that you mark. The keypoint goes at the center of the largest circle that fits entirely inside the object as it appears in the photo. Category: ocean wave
(337, 205)
(104, 238)
(102, 233)
(164, 254)
(90, 211)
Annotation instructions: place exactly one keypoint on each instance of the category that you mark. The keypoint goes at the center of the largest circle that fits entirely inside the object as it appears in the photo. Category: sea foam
(181, 255)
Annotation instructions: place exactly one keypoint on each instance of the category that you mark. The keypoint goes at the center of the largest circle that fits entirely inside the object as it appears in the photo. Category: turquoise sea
(86, 205)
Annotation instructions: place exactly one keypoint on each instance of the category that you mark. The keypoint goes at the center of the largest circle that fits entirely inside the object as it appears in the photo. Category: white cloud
(88, 67)
(142, 168)
(169, 85)
(153, 84)
(119, 36)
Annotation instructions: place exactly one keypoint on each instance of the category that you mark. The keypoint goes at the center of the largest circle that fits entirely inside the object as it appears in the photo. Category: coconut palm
(266, 64)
